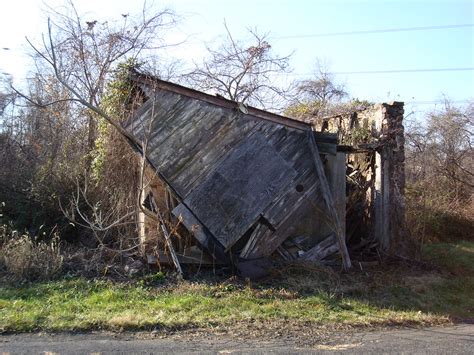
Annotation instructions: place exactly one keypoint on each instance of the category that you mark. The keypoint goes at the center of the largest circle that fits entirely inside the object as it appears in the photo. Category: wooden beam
(321, 250)
(337, 170)
(382, 201)
(169, 244)
(203, 236)
(183, 259)
(255, 238)
(341, 239)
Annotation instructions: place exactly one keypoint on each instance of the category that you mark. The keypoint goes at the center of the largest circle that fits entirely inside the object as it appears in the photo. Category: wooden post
(382, 201)
(337, 184)
(333, 215)
(386, 223)
(141, 216)
(169, 244)
(378, 200)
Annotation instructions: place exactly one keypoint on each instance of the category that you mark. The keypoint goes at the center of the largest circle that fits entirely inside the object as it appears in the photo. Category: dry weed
(28, 259)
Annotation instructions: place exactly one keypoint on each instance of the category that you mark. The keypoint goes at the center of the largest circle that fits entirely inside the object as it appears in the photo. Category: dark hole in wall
(299, 188)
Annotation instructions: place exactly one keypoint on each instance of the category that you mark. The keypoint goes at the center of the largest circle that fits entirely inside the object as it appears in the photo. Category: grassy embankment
(397, 295)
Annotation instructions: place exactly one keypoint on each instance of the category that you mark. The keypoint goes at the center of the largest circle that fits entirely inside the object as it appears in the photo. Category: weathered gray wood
(182, 258)
(259, 233)
(380, 206)
(325, 137)
(267, 241)
(321, 250)
(337, 184)
(202, 235)
(385, 237)
(191, 139)
(284, 253)
(190, 129)
(192, 224)
(157, 84)
(288, 201)
(293, 147)
(233, 197)
(327, 148)
(341, 239)
(155, 116)
(193, 169)
(169, 244)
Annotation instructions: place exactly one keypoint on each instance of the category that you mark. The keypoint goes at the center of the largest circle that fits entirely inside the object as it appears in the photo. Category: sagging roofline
(150, 80)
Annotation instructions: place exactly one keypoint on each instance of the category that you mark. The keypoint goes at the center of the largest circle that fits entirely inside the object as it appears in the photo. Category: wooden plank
(379, 213)
(233, 197)
(268, 241)
(341, 239)
(337, 184)
(260, 233)
(293, 147)
(327, 148)
(187, 176)
(191, 126)
(217, 101)
(182, 258)
(155, 115)
(180, 135)
(202, 235)
(192, 224)
(385, 236)
(321, 250)
(169, 244)
(287, 202)
(325, 137)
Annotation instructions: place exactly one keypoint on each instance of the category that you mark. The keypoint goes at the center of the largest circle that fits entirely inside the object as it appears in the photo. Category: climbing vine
(114, 102)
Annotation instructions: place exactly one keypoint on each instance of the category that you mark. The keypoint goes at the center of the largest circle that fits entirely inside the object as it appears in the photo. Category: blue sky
(202, 23)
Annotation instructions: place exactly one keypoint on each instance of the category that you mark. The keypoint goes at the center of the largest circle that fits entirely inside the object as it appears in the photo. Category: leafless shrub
(440, 171)
(105, 224)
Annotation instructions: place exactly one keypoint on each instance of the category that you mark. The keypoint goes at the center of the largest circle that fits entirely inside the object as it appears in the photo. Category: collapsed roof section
(245, 179)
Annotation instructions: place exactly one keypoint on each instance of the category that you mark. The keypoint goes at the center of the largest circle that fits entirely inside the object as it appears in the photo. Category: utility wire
(436, 102)
(405, 70)
(394, 71)
(350, 33)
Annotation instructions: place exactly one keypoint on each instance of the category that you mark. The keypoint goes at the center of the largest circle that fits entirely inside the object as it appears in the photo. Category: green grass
(396, 295)
(458, 258)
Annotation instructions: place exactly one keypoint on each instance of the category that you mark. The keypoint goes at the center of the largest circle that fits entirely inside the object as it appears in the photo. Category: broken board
(231, 199)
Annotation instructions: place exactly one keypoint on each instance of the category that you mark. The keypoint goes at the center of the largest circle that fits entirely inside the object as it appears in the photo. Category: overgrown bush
(435, 215)
(26, 258)
(440, 171)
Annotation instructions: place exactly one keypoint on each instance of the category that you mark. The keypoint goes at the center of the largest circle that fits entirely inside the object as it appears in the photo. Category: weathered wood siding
(230, 170)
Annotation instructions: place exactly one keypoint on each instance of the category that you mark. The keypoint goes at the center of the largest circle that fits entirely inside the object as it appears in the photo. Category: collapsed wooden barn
(246, 184)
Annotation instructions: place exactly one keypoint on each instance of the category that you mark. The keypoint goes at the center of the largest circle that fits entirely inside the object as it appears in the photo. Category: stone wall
(373, 139)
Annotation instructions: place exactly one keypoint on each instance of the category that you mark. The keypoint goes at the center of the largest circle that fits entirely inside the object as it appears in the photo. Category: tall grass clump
(27, 258)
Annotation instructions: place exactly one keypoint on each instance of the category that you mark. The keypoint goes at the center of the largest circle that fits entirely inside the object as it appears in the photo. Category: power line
(401, 29)
(437, 102)
(405, 70)
(393, 71)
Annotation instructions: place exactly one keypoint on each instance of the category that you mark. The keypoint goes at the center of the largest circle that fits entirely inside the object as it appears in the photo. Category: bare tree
(440, 150)
(319, 96)
(242, 72)
(451, 133)
(75, 60)
(440, 173)
(322, 87)
(82, 55)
